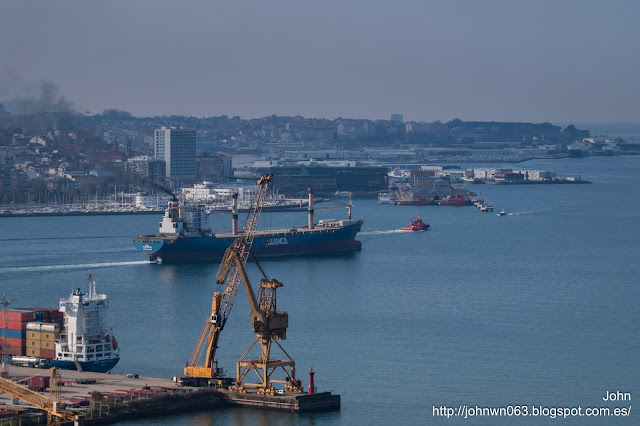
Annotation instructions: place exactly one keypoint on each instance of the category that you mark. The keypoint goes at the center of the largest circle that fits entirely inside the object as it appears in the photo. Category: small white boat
(486, 208)
(385, 198)
(342, 194)
(502, 213)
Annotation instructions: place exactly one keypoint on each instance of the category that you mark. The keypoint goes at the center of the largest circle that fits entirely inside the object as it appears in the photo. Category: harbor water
(538, 307)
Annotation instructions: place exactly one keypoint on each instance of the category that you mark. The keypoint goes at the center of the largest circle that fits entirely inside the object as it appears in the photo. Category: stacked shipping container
(41, 338)
(16, 326)
(30, 331)
(47, 315)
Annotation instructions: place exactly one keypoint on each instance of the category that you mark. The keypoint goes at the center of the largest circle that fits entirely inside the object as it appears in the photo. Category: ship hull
(272, 244)
(455, 202)
(99, 366)
(419, 202)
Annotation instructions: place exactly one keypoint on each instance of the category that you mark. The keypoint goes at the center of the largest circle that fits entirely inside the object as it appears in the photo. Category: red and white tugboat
(416, 225)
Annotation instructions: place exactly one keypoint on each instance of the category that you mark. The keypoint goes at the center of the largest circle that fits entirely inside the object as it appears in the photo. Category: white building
(208, 193)
(150, 201)
(177, 147)
(539, 175)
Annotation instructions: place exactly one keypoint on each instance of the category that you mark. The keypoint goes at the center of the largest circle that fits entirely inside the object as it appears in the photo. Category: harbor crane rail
(267, 322)
(51, 405)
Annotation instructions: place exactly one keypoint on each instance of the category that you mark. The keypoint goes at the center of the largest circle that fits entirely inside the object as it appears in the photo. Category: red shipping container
(12, 325)
(16, 350)
(39, 382)
(48, 353)
(54, 316)
(20, 315)
(12, 341)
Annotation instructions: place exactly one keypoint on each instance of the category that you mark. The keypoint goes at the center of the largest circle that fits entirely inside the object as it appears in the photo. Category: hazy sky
(535, 60)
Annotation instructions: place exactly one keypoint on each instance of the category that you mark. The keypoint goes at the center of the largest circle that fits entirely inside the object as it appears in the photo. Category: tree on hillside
(572, 133)
(116, 113)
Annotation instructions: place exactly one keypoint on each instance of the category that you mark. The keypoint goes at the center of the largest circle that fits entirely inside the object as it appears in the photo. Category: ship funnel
(234, 214)
(310, 192)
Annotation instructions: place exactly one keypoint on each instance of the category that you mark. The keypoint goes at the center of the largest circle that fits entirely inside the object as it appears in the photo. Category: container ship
(184, 236)
(72, 337)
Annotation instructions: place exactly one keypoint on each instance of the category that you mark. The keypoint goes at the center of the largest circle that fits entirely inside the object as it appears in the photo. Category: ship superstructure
(85, 343)
(185, 220)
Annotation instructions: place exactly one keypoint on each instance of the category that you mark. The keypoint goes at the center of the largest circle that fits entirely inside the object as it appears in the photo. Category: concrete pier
(112, 397)
(128, 397)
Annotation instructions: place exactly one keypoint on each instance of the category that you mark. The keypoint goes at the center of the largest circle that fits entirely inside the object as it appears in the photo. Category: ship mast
(92, 287)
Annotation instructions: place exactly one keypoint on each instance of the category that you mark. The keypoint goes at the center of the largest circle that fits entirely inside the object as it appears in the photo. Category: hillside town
(62, 157)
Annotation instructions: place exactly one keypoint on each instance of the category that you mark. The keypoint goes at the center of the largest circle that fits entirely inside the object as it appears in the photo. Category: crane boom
(202, 363)
(34, 398)
(269, 324)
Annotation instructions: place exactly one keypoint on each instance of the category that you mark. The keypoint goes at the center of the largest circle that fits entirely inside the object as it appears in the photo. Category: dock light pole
(4, 302)
(312, 388)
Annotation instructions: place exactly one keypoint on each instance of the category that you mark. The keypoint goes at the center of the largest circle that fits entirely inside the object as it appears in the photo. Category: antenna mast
(4, 302)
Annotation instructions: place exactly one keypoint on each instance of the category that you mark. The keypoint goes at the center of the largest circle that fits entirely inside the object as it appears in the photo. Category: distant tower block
(177, 147)
(397, 118)
(312, 388)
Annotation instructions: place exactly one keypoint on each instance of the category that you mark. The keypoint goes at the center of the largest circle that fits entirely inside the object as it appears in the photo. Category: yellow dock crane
(51, 405)
(268, 324)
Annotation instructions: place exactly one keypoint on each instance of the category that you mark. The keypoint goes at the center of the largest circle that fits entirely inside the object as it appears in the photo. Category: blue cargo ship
(184, 236)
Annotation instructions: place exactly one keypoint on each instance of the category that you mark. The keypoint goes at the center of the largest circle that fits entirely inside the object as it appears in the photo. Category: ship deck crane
(51, 405)
(268, 324)
(349, 206)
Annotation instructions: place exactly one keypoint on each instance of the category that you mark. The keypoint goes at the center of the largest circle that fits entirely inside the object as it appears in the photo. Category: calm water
(537, 307)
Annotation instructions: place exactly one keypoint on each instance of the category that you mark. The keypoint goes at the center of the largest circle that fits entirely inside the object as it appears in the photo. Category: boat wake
(530, 212)
(390, 231)
(41, 268)
(523, 213)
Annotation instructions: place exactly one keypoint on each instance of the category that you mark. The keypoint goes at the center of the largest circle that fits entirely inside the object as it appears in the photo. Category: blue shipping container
(15, 334)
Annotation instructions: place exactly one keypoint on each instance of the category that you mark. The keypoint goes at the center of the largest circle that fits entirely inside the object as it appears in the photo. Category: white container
(49, 328)
(42, 326)
(35, 326)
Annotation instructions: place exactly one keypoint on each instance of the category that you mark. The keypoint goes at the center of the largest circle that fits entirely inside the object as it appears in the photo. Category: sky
(534, 61)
